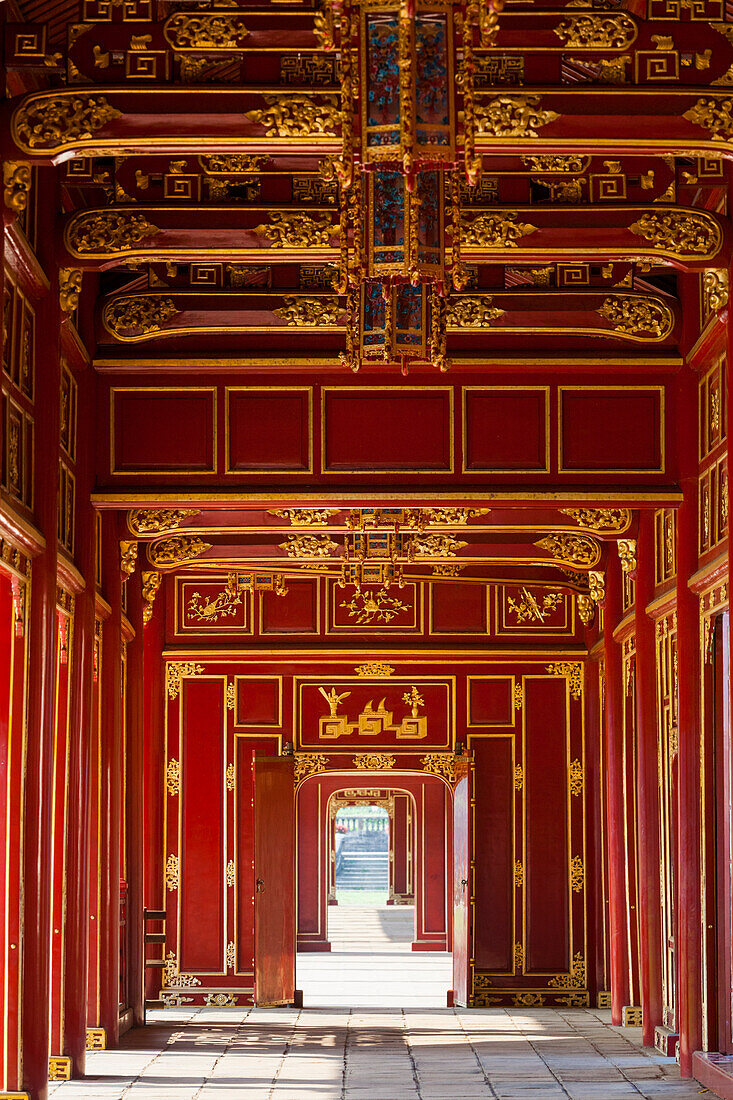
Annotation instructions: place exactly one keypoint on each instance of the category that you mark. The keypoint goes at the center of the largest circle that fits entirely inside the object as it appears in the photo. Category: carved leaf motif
(140, 314)
(54, 122)
(176, 549)
(297, 116)
(310, 312)
(294, 230)
(495, 231)
(509, 116)
(610, 32)
(223, 31)
(152, 521)
(715, 115)
(636, 315)
(575, 549)
(100, 233)
(691, 233)
(473, 312)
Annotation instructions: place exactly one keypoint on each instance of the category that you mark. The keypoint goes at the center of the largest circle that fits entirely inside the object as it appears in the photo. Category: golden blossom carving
(575, 979)
(573, 673)
(172, 977)
(373, 606)
(230, 874)
(305, 517)
(223, 31)
(176, 672)
(295, 116)
(310, 312)
(140, 313)
(518, 777)
(288, 229)
(530, 608)
(176, 550)
(51, 122)
(151, 583)
(70, 280)
(599, 32)
(231, 955)
(715, 289)
(173, 777)
(601, 519)
(495, 230)
(17, 185)
(440, 763)
(309, 763)
(374, 761)
(435, 546)
(518, 873)
(693, 233)
(102, 233)
(171, 873)
(635, 316)
(574, 549)
(715, 115)
(554, 162)
(309, 546)
(508, 116)
(128, 556)
(212, 609)
(374, 669)
(154, 521)
(577, 875)
(220, 1000)
(473, 312)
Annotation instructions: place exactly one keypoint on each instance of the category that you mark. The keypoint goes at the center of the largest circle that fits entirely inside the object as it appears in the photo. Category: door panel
(462, 885)
(274, 806)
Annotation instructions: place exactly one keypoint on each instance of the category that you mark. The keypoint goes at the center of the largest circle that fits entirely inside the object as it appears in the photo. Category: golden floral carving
(223, 31)
(692, 233)
(495, 230)
(575, 979)
(50, 122)
(173, 777)
(212, 609)
(151, 584)
(220, 1000)
(231, 696)
(518, 777)
(107, 232)
(435, 546)
(295, 116)
(473, 312)
(634, 316)
(586, 608)
(141, 313)
(373, 606)
(573, 673)
(440, 763)
(508, 116)
(518, 873)
(310, 312)
(627, 554)
(715, 289)
(171, 873)
(231, 955)
(528, 1000)
(309, 546)
(230, 777)
(715, 115)
(447, 569)
(128, 556)
(374, 761)
(172, 977)
(154, 521)
(555, 162)
(231, 164)
(375, 669)
(323, 27)
(518, 956)
(305, 517)
(176, 672)
(70, 280)
(176, 550)
(309, 763)
(577, 875)
(230, 874)
(574, 549)
(601, 519)
(597, 32)
(17, 184)
(575, 777)
(291, 229)
(458, 517)
(530, 608)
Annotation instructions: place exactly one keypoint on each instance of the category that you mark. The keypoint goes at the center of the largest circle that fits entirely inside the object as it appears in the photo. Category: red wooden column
(688, 758)
(135, 802)
(111, 785)
(594, 860)
(154, 764)
(615, 800)
(647, 786)
(37, 823)
(81, 725)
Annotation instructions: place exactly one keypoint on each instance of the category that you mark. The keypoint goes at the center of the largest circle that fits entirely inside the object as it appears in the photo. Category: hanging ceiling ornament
(407, 108)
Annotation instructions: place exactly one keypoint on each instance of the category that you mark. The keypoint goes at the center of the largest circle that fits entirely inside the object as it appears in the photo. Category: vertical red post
(688, 715)
(647, 786)
(594, 867)
(154, 765)
(111, 784)
(135, 803)
(37, 822)
(81, 725)
(615, 803)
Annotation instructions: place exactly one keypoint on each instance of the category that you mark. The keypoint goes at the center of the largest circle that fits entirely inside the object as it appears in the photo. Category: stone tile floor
(379, 1054)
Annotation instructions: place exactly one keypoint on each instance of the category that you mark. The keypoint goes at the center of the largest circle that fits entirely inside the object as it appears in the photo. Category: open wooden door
(462, 883)
(274, 816)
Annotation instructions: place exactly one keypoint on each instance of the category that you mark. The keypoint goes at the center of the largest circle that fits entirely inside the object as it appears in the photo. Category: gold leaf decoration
(715, 115)
(296, 230)
(305, 517)
(151, 583)
(454, 517)
(370, 606)
(311, 312)
(601, 519)
(510, 116)
(230, 777)
(554, 162)
(309, 546)
(627, 554)
(374, 669)
(220, 1000)
(139, 314)
(518, 777)
(176, 550)
(171, 873)
(577, 875)
(597, 32)
(528, 1000)
(231, 955)
(635, 316)
(574, 549)
(309, 763)
(586, 608)
(297, 116)
(230, 873)
(154, 521)
(518, 873)
(518, 956)
(435, 546)
(374, 761)
(474, 311)
(173, 777)
(495, 230)
(576, 979)
(173, 979)
(518, 697)
(573, 672)
(693, 233)
(70, 280)
(715, 289)
(440, 763)
(231, 696)
(17, 185)
(223, 31)
(128, 556)
(107, 232)
(55, 122)
(176, 672)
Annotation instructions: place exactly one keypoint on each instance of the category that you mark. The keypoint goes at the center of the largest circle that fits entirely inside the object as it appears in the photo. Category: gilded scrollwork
(440, 763)
(597, 32)
(617, 520)
(309, 546)
(715, 115)
(289, 229)
(638, 316)
(475, 311)
(305, 517)
(573, 673)
(138, 313)
(374, 761)
(627, 554)
(156, 521)
(201, 31)
(577, 874)
(586, 608)
(53, 122)
(573, 549)
(576, 979)
(176, 550)
(107, 232)
(17, 185)
(173, 978)
(171, 873)
(548, 163)
(220, 1000)
(295, 116)
(309, 763)
(434, 546)
(715, 289)
(128, 556)
(376, 669)
(692, 233)
(511, 116)
(495, 230)
(70, 280)
(151, 583)
(176, 672)
(173, 777)
(311, 312)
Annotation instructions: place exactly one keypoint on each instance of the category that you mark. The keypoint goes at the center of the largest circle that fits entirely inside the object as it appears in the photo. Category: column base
(631, 1016)
(666, 1040)
(603, 998)
(14, 1096)
(96, 1038)
(59, 1068)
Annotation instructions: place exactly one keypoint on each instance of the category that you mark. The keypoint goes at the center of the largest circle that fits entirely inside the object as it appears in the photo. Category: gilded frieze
(512, 116)
(309, 763)
(107, 232)
(374, 669)
(288, 229)
(311, 312)
(495, 230)
(573, 549)
(137, 314)
(597, 32)
(689, 234)
(617, 520)
(157, 521)
(638, 316)
(473, 312)
(440, 763)
(176, 550)
(52, 122)
(374, 761)
(298, 116)
(305, 517)
(201, 31)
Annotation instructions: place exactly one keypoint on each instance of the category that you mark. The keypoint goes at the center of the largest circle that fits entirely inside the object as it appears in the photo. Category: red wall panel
(494, 848)
(505, 430)
(294, 613)
(268, 430)
(458, 608)
(611, 429)
(376, 429)
(163, 430)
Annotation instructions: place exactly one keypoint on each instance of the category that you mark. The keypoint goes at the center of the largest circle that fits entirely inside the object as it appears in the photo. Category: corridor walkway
(370, 1054)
